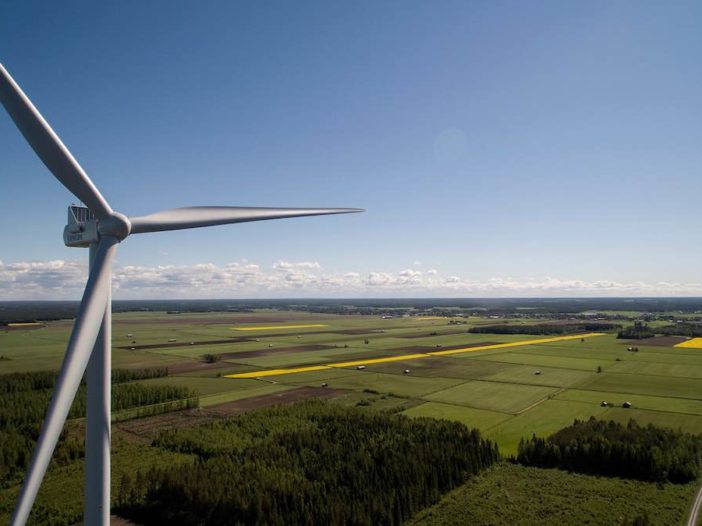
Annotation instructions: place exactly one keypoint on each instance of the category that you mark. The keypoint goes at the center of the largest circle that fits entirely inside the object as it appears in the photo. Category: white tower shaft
(98, 421)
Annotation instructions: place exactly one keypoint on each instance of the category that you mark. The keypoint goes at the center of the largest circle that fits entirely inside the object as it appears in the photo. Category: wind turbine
(101, 229)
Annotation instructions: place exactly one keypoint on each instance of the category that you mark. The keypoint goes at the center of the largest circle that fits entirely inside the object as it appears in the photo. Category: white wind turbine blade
(49, 147)
(200, 216)
(80, 346)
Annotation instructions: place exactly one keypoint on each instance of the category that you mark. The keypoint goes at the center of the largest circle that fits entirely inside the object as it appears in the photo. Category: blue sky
(500, 148)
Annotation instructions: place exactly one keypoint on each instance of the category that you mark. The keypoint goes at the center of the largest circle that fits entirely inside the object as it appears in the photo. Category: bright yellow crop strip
(514, 344)
(694, 343)
(276, 372)
(276, 327)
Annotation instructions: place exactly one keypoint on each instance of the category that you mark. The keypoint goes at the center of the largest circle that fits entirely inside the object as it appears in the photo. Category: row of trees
(610, 448)
(692, 330)
(15, 382)
(638, 331)
(24, 398)
(543, 329)
(311, 463)
(641, 330)
(120, 376)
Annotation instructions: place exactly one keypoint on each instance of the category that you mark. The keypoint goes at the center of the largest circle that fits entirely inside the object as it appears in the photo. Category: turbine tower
(101, 229)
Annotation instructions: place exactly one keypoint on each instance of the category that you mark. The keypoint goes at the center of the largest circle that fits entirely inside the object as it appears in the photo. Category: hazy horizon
(62, 280)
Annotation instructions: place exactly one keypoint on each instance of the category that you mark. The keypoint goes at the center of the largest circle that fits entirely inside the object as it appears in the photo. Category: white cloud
(376, 279)
(65, 280)
(287, 265)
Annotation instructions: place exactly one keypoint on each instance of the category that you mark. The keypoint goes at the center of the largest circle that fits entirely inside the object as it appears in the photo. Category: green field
(483, 420)
(661, 382)
(494, 396)
(507, 393)
(510, 494)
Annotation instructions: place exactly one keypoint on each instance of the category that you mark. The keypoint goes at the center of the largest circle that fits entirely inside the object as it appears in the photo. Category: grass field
(508, 386)
(509, 494)
(486, 380)
(493, 396)
(469, 416)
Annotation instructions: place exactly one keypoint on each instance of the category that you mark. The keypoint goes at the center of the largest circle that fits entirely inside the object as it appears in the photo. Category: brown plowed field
(429, 348)
(393, 352)
(356, 332)
(429, 335)
(273, 350)
(208, 320)
(283, 398)
(240, 339)
(146, 429)
(183, 344)
(657, 341)
(191, 366)
(9, 328)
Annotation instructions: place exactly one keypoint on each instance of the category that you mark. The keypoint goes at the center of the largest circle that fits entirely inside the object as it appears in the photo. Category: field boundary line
(548, 397)
(466, 406)
(657, 375)
(421, 397)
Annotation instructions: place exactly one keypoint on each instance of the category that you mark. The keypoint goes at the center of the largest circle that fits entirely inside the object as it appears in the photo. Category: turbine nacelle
(82, 228)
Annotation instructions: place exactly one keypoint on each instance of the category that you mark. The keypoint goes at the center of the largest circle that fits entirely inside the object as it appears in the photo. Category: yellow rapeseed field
(416, 356)
(275, 372)
(694, 343)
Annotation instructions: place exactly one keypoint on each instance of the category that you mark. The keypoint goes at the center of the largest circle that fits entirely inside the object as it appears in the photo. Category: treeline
(157, 408)
(120, 376)
(311, 463)
(608, 448)
(691, 330)
(24, 399)
(638, 331)
(15, 382)
(543, 329)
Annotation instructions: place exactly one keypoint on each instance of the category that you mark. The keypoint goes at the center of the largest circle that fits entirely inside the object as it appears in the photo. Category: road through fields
(692, 521)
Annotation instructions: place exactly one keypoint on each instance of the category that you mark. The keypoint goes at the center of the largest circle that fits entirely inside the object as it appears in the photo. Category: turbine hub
(116, 225)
